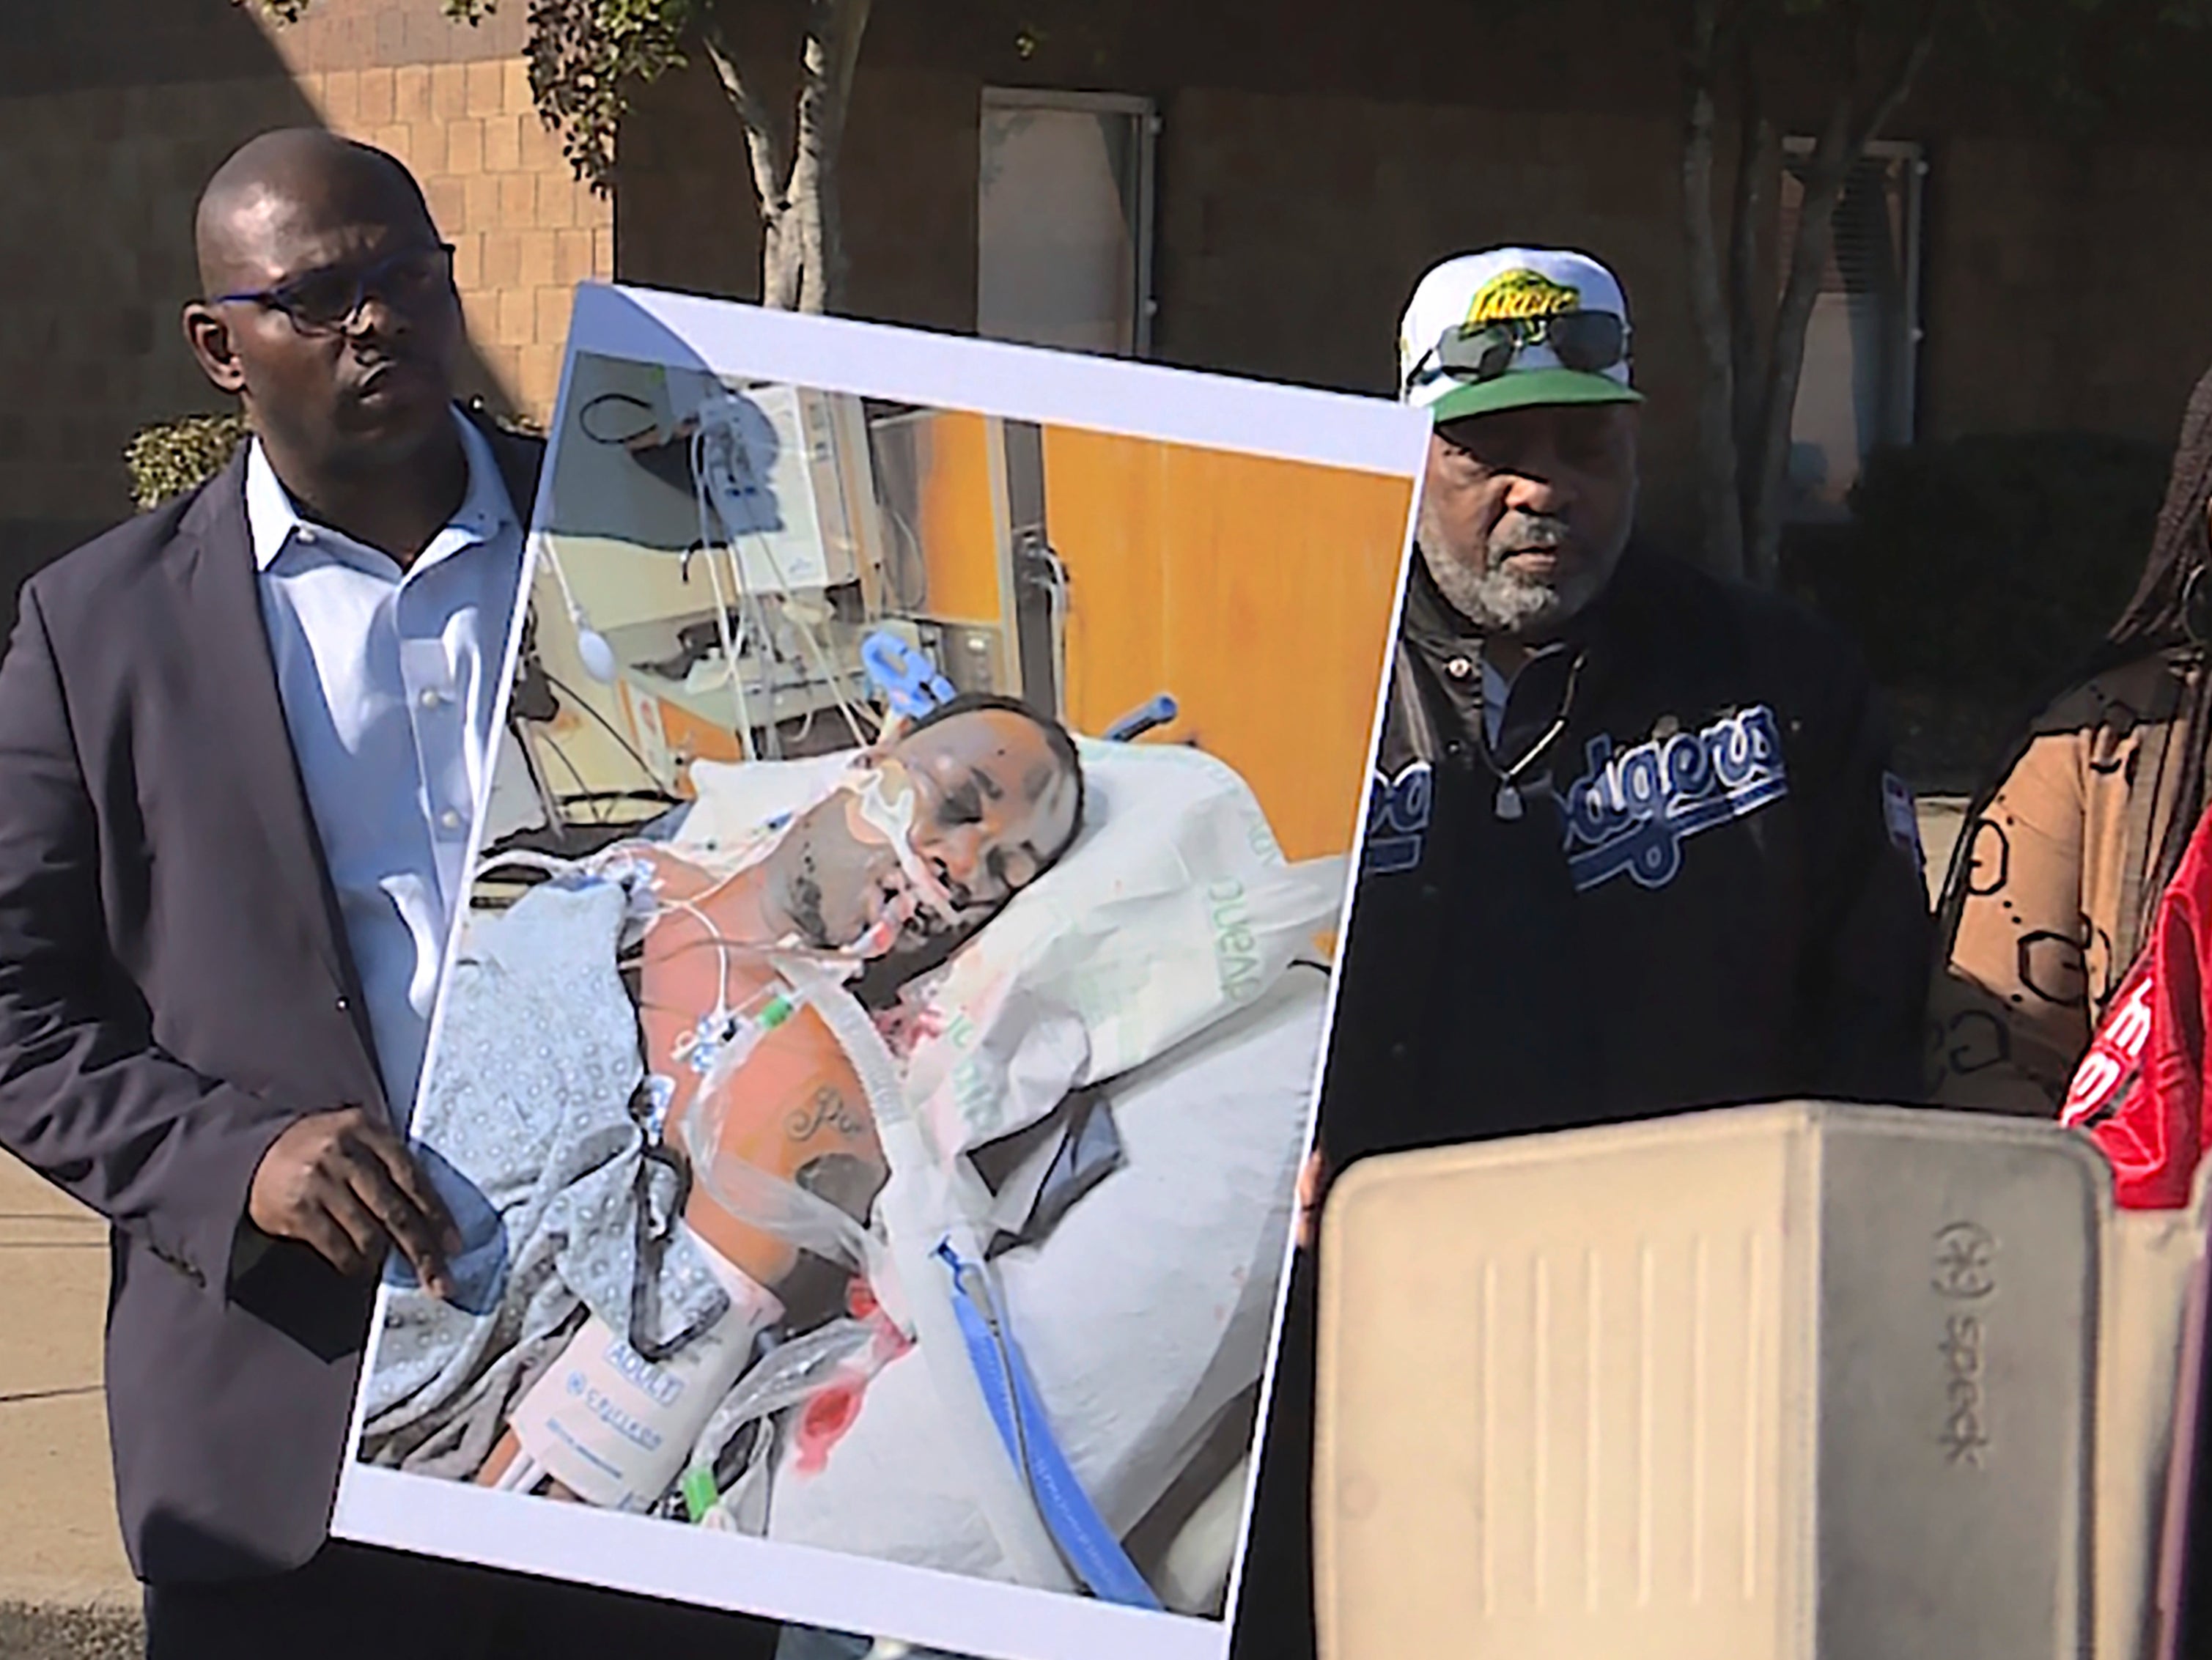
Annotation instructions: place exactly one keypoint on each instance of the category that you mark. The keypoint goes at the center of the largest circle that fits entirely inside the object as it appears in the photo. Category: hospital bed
(1144, 1310)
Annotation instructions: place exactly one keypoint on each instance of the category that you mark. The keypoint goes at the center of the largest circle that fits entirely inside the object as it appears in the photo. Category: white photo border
(799, 1584)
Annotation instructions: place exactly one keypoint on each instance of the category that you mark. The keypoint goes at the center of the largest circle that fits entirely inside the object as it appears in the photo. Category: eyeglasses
(329, 300)
(1589, 341)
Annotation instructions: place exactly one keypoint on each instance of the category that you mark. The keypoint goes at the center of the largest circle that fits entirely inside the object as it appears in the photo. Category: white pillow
(1174, 908)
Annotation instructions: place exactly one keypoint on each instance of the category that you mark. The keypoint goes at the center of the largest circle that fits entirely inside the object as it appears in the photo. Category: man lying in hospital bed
(1132, 1012)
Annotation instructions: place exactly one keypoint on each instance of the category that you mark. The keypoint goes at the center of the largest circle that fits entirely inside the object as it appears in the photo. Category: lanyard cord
(1510, 776)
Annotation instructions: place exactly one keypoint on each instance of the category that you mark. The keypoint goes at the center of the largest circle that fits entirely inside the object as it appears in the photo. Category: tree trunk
(802, 249)
(1757, 150)
(783, 260)
(1841, 145)
(1832, 159)
(1718, 459)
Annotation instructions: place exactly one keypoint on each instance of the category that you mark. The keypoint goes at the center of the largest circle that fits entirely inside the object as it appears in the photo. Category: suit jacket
(175, 990)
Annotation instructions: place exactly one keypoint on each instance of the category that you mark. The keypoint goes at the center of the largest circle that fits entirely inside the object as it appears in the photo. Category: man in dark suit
(241, 738)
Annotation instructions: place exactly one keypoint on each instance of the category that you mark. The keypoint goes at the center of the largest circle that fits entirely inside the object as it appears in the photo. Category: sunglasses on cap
(329, 300)
(1591, 342)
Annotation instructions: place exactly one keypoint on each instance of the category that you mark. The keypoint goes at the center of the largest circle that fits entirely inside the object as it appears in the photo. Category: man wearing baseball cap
(1633, 844)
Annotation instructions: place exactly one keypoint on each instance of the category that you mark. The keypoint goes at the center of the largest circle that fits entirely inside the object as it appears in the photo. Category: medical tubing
(849, 1027)
(736, 1033)
(855, 1033)
(787, 1375)
(714, 579)
(522, 1474)
(730, 664)
(910, 1214)
(896, 821)
(808, 639)
(561, 579)
(759, 1200)
(718, 416)
(1088, 1547)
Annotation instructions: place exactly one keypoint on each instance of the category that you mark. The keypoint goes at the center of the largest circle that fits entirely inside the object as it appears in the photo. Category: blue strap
(908, 680)
(1088, 1544)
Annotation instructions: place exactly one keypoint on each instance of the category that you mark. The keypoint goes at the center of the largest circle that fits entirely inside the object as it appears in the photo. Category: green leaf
(172, 457)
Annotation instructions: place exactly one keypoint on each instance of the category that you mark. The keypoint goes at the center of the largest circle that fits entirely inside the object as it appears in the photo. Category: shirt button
(450, 819)
(432, 697)
(345, 1005)
(1398, 1052)
(307, 536)
(1458, 668)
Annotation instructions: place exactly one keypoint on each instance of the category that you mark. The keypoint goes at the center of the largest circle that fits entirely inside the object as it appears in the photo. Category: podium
(1790, 1382)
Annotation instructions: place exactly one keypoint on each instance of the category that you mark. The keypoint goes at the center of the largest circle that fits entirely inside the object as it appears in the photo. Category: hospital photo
(882, 1040)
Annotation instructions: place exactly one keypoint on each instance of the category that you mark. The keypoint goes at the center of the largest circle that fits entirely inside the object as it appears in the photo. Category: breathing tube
(1085, 1543)
(892, 816)
(915, 1296)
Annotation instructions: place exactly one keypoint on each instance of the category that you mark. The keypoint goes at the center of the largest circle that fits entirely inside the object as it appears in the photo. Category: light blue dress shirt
(389, 681)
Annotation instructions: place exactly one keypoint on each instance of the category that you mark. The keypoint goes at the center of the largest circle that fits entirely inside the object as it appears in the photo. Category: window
(1065, 222)
(1861, 345)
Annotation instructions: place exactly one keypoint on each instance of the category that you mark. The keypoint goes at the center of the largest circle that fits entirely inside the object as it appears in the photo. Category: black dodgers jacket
(1711, 892)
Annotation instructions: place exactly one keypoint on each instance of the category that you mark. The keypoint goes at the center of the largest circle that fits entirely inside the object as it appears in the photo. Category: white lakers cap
(1487, 331)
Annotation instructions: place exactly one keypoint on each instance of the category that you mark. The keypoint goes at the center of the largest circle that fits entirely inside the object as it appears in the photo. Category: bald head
(280, 184)
(329, 306)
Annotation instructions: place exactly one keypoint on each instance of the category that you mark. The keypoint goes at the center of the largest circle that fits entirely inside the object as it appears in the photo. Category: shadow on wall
(112, 115)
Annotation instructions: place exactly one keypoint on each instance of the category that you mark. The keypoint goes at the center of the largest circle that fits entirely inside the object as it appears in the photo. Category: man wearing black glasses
(241, 738)
(1633, 844)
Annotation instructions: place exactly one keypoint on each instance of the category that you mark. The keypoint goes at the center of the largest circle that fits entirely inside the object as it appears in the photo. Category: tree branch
(1749, 288)
(1899, 84)
(770, 176)
(831, 54)
(1718, 460)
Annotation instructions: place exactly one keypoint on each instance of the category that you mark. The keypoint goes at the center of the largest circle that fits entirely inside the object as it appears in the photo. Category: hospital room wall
(1258, 592)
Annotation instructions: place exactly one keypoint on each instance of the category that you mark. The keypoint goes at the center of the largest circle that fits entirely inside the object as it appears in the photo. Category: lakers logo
(1521, 293)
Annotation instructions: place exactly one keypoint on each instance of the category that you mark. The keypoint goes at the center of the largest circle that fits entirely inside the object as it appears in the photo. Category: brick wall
(97, 188)
(112, 115)
(1305, 179)
(453, 101)
(524, 230)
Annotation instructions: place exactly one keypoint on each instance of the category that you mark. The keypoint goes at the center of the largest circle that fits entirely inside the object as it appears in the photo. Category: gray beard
(1495, 600)
(1498, 600)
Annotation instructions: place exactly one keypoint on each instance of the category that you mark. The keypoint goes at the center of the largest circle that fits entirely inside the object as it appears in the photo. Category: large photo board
(876, 1060)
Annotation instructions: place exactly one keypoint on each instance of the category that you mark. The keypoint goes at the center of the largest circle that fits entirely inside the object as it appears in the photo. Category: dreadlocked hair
(2169, 613)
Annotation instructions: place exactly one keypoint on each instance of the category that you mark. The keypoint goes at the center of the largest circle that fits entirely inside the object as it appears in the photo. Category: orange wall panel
(959, 528)
(1257, 592)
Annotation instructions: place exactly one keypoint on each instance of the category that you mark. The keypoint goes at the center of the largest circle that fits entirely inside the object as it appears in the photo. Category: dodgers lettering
(1398, 821)
(1632, 812)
